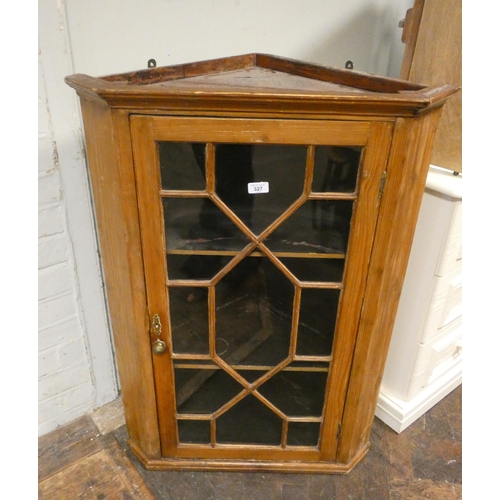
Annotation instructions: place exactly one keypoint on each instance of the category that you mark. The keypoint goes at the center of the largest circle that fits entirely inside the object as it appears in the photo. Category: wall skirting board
(399, 414)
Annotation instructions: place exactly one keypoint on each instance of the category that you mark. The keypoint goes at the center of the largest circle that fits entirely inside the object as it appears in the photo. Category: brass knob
(159, 347)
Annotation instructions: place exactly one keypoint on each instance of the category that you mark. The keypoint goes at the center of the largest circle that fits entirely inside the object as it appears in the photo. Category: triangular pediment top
(257, 82)
(256, 68)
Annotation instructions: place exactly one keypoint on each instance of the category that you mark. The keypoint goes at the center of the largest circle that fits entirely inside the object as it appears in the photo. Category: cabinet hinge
(339, 431)
(382, 185)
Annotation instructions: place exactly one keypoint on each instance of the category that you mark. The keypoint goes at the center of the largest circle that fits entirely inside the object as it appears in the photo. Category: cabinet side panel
(109, 157)
(406, 174)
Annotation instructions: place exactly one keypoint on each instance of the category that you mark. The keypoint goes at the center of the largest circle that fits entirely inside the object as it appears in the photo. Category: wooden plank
(369, 83)
(321, 285)
(66, 446)
(263, 368)
(188, 70)
(409, 36)
(109, 157)
(241, 452)
(436, 59)
(152, 236)
(96, 476)
(350, 304)
(232, 253)
(229, 130)
(75, 461)
(125, 470)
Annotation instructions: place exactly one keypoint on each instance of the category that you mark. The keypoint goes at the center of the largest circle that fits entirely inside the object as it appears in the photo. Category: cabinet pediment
(251, 80)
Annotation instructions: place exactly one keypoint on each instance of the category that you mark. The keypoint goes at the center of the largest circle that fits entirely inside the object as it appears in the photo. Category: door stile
(153, 247)
(357, 260)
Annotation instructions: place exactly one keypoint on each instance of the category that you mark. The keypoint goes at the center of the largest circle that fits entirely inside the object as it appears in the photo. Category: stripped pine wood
(109, 153)
(267, 131)
(406, 177)
(150, 213)
(243, 101)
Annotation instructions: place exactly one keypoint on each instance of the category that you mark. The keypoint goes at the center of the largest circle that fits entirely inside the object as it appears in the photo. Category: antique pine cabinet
(255, 217)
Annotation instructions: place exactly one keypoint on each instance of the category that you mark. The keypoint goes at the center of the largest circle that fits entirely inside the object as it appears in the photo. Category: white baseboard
(399, 414)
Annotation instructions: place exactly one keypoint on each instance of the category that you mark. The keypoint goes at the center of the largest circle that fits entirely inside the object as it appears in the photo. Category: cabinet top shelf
(260, 83)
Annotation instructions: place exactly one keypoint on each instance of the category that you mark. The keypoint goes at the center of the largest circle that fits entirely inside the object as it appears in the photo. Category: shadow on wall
(371, 39)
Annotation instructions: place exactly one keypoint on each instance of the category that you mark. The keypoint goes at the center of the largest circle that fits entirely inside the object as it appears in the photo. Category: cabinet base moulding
(249, 465)
(399, 414)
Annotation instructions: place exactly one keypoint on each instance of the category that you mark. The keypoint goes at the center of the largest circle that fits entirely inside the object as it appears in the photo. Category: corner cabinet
(255, 218)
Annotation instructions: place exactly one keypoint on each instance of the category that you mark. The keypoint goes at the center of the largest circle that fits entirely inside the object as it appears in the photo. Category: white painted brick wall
(65, 382)
(75, 355)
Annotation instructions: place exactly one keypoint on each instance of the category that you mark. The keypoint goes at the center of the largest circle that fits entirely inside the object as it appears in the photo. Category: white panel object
(435, 357)
(445, 304)
(424, 363)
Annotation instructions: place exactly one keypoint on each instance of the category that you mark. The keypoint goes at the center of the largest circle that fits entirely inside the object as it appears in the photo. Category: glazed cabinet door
(256, 241)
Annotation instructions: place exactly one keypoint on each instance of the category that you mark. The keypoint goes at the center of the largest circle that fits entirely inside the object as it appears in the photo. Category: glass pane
(303, 433)
(195, 267)
(336, 169)
(196, 231)
(182, 165)
(189, 320)
(308, 269)
(198, 224)
(249, 422)
(297, 393)
(318, 226)
(318, 314)
(254, 312)
(237, 165)
(194, 431)
(203, 391)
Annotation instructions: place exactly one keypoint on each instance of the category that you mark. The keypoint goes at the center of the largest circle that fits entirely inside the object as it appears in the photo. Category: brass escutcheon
(156, 325)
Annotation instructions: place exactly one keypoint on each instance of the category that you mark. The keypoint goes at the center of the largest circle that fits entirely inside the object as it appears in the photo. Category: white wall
(107, 39)
(76, 370)
(97, 37)
(65, 381)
